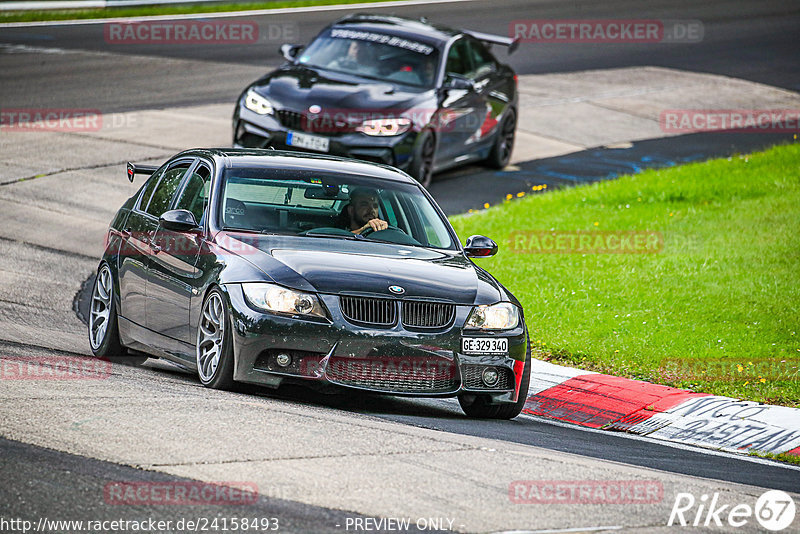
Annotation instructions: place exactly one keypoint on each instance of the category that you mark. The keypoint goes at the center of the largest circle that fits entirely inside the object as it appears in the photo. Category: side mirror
(479, 246)
(290, 51)
(178, 220)
(456, 81)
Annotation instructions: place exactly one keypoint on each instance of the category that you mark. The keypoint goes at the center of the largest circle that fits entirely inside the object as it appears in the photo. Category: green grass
(140, 11)
(781, 457)
(717, 310)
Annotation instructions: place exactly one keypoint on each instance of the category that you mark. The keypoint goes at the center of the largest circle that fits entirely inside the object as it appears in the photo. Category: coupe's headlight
(385, 127)
(255, 102)
(277, 299)
(500, 316)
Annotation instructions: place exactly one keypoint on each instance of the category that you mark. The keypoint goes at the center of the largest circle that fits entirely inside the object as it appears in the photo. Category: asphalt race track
(321, 463)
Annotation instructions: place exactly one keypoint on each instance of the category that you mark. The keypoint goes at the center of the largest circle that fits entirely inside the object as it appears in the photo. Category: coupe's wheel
(214, 344)
(421, 168)
(103, 333)
(504, 143)
(477, 406)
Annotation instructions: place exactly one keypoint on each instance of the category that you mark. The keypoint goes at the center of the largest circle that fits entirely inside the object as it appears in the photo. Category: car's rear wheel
(103, 330)
(478, 407)
(214, 343)
(500, 155)
(421, 168)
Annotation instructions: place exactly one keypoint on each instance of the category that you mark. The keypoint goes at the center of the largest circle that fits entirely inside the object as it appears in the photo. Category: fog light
(490, 377)
(283, 359)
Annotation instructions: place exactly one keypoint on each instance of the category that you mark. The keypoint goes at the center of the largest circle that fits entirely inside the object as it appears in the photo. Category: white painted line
(231, 14)
(556, 531)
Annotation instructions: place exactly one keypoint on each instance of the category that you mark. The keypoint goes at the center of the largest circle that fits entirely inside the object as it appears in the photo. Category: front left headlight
(385, 127)
(500, 316)
(255, 102)
(277, 299)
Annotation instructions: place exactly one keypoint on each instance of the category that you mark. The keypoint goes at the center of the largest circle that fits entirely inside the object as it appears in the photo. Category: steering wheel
(369, 230)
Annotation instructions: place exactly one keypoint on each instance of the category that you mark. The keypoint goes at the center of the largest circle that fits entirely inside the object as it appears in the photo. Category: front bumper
(397, 360)
(251, 130)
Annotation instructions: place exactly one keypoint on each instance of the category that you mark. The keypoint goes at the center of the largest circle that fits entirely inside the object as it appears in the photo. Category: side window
(458, 61)
(482, 61)
(195, 194)
(166, 189)
(144, 200)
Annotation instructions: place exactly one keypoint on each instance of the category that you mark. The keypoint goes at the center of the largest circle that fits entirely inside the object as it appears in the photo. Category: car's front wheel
(421, 167)
(214, 343)
(478, 407)
(103, 332)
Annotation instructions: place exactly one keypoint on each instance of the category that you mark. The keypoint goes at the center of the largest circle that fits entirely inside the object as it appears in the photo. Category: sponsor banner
(187, 493)
(586, 491)
(730, 120)
(53, 368)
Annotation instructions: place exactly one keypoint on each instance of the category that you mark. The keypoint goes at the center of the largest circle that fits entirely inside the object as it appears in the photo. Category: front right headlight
(277, 299)
(257, 103)
(500, 316)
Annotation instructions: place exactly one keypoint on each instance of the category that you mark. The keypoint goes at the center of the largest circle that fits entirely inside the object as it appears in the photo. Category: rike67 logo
(774, 510)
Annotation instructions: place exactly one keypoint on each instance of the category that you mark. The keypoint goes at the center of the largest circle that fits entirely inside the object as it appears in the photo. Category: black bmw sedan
(406, 93)
(266, 267)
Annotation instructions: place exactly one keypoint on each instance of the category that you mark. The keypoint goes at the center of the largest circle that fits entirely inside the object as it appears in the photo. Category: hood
(296, 88)
(339, 266)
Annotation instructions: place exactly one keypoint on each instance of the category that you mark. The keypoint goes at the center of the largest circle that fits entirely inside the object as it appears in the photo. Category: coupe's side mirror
(456, 81)
(178, 220)
(290, 51)
(479, 246)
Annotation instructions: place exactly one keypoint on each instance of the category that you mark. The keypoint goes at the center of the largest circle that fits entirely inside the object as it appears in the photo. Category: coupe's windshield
(313, 204)
(374, 55)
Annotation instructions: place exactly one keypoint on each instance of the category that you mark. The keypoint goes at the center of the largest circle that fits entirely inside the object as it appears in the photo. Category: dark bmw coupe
(266, 267)
(407, 93)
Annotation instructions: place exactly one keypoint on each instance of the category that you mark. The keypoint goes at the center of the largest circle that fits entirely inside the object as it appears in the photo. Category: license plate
(312, 142)
(484, 345)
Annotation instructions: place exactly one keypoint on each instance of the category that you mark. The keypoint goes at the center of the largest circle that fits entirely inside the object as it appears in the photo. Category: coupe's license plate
(484, 345)
(313, 142)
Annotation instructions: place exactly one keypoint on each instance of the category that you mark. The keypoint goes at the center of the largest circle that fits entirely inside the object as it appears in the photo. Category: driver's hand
(376, 224)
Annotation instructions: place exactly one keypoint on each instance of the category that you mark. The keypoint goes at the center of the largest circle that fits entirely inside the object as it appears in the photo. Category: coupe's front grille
(375, 312)
(395, 375)
(473, 380)
(290, 119)
(428, 314)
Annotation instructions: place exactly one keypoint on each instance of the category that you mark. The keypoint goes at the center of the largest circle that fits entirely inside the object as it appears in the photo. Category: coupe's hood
(340, 266)
(296, 88)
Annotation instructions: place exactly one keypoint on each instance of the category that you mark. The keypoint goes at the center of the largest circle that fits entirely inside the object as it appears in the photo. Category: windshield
(313, 204)
(374, 55)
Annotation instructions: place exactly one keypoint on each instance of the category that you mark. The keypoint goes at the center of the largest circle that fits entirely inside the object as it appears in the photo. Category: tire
(500, 155)
(214, 347)
(477, 406)
(103, 325)
(421, 168)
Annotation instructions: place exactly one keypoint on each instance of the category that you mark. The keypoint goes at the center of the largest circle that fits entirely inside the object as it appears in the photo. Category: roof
(281, 159)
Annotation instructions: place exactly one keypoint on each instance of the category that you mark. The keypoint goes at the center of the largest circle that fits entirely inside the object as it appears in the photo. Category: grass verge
(715, 309)
(142, 11)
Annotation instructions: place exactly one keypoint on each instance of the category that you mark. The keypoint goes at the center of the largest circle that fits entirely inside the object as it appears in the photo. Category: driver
(363, 211)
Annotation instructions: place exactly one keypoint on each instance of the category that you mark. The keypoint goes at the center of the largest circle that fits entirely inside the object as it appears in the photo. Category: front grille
(290, 119)
(472, 377)
(369, 311)
(395, 375)
(428, 314)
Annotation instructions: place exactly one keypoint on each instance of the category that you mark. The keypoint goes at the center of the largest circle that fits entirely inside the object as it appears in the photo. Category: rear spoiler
(134, 169)
(512, 44)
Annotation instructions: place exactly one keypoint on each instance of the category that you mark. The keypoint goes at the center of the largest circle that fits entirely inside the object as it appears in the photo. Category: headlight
(384, 127)
(277, 299)
(255, 102)
(501, 316)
